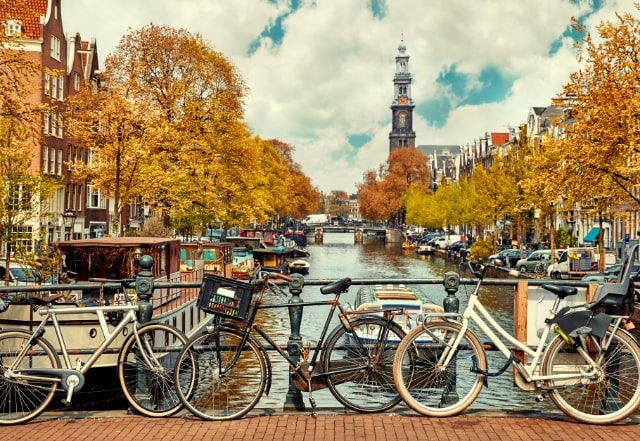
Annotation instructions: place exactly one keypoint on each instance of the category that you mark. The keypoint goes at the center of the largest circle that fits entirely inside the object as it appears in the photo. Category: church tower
(402, 134)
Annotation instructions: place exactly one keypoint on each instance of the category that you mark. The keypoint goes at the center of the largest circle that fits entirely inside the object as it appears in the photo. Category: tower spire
(402, 134)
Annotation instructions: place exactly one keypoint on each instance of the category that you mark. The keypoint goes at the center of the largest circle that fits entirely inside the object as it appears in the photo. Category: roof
(116, 242)
(14, 9)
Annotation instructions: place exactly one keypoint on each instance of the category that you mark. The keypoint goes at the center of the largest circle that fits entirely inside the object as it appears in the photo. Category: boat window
(209, 255)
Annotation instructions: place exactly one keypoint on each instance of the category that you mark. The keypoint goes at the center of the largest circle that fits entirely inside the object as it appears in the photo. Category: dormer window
(13, 28)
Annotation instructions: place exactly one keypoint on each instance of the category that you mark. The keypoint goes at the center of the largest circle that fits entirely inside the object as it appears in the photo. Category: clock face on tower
(403, 99)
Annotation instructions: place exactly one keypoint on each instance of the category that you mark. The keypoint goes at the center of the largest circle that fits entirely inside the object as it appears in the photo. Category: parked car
(610, 274)
(440, 242)
(498, 258)
(508, 257)
(456, 246)
(529, 263)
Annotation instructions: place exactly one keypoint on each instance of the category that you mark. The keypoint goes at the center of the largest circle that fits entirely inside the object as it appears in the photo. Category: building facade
(65, 63)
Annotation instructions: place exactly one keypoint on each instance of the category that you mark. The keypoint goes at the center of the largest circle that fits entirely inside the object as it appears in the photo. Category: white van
(576, 262)
(316, 220)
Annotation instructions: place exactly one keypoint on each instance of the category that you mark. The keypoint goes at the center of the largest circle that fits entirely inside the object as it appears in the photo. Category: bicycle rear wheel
(22, 400)
(146, 369)
(611, 394)
(229, 378)
(424, 383)
(366, 359)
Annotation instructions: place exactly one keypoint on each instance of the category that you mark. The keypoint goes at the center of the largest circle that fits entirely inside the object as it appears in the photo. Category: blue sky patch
(378, 8)
(358, 140)
(275, 31)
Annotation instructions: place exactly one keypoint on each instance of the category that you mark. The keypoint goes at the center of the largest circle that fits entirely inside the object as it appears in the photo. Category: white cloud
(332, 75)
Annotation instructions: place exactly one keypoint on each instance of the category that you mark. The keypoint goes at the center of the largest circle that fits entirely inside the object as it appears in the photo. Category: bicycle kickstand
(312, 400)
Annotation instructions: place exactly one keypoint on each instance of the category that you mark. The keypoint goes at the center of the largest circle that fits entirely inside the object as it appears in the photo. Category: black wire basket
(225, 297)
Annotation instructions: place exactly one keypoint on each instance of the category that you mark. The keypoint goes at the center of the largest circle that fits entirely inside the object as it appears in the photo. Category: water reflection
(339, 257)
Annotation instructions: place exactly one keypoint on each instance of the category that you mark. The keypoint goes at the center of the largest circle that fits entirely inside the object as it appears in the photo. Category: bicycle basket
(227, 297)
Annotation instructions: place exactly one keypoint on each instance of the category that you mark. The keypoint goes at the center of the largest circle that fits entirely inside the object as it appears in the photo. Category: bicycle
(590, 369)
(32, 369)
(234, 369)
(542, 267)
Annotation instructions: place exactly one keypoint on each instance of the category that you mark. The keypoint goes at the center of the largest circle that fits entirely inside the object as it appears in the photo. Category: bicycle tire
(229, 382)
(369, 388)
(22, 399)
(428, 389)
(612, 396)
(150, 387)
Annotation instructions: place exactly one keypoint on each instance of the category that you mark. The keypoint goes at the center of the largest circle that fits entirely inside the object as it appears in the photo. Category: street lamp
(69, 218)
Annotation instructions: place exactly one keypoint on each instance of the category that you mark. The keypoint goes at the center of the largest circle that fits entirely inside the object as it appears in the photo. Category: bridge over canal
(389, 235)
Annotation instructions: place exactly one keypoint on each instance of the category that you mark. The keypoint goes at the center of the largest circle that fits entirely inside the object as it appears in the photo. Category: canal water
(339, 257)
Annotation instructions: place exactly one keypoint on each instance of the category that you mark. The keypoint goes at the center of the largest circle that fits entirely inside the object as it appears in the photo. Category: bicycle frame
(478, 314)
(51, 313)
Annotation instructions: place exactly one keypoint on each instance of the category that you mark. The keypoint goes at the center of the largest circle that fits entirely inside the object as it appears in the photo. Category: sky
(320, 73)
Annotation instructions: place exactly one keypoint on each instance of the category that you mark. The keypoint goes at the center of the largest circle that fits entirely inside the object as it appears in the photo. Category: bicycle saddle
(335, 287)
(561, 290)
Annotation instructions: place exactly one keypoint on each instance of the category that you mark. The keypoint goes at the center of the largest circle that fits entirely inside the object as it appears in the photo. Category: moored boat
(299, 266)
(378, 298)
(116, 258)
(424, 250)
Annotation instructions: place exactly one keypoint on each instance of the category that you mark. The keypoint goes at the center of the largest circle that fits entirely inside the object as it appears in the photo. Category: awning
(592, 235)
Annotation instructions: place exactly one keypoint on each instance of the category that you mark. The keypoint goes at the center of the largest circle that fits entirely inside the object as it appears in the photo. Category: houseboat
(116, 258)
(217, 257)
(271, 252)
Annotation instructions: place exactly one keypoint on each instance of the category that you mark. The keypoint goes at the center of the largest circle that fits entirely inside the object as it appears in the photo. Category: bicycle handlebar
(263, 276)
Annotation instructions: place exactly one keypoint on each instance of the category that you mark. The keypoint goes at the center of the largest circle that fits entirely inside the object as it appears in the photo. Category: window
(54, 87)
(47, 84)
(21, 239)
(55, 47)
(52, 160)
(61, 89)
(60, 125)
(13, 28)
(59, 162)
(95, 199)
(46, 123)
(76, 81)
(45, 159)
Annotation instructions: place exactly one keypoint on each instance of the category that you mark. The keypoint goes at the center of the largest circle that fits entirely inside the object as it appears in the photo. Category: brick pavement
(326, 426)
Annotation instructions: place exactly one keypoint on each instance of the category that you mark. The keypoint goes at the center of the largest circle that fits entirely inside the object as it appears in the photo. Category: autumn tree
(24, 192)
(596, 162)
(301, 197)
(380, 194)
(166, 125)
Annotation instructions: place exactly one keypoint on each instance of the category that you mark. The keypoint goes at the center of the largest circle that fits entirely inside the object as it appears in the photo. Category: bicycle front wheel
(146, 369)
(425, 383)
(363, 362)
(24, 399)
(230, 376)
(608, 393)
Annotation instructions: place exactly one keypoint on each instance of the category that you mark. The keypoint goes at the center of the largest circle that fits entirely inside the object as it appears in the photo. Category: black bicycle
(233, 368)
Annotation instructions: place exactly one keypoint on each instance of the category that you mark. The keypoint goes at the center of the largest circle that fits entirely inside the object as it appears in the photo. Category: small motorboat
(424, 250)
(299, 266)
(378, 298)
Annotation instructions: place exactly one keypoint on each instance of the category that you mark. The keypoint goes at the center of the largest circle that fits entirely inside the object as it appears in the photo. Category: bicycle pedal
(66, 402)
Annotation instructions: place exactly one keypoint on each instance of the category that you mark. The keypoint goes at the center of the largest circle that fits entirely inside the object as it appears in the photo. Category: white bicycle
(31, 370)
(590, 369)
